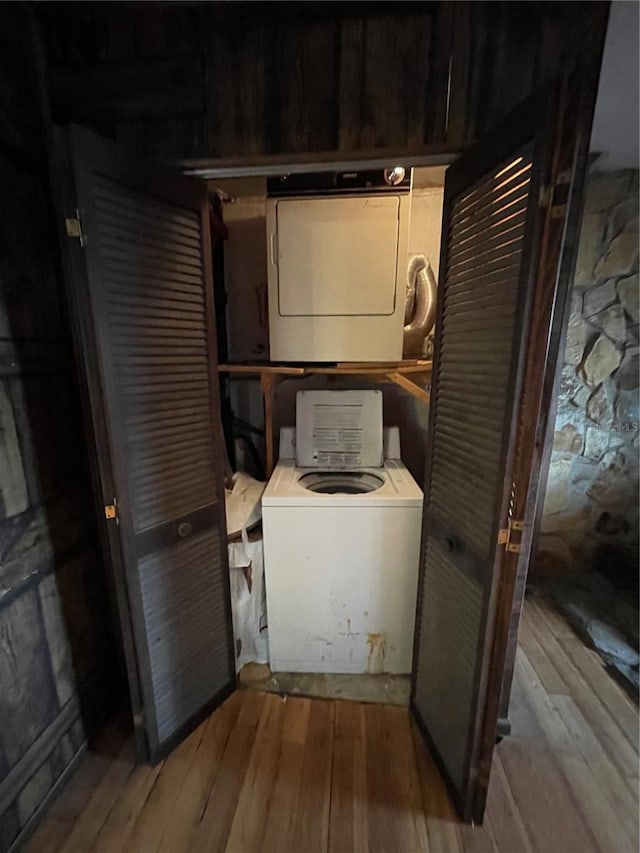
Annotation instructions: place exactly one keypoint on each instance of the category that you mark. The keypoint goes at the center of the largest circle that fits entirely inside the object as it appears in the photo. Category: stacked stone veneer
(56, 649)
(591, 507)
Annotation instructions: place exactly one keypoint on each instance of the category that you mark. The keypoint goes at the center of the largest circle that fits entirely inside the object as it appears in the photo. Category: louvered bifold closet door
(483, 291)
(470, 400)
(146, 243)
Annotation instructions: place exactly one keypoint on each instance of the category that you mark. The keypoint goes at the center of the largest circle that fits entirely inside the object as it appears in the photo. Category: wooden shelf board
(271, 374)
(343, 369)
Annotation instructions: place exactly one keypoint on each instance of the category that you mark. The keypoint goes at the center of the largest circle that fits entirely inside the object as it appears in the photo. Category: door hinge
(505, 536)
(73, 227)
(111, 510)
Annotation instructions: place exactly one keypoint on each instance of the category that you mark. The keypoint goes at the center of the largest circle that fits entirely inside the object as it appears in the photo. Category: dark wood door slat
(131, 230)
(137, 308)
(509, 267)
(171, 506)
(474, 247)
(150, 434)
(171, 286)
(154, 363)
(114, 255)
(487, 193)
(489, 432)
(474, 301)
(504, 213)
(508, 216)
(123, 271)
(144, 204)
(164, 466)
(157, 332)
(136, 254)
(477, 251)
(450, 440)
(133, 296)
(511, 196)
(491, 260)
(185, 418)
(135, 348)
(479, 465)
(492, 321)
(490, 255)
(465, 389)
(135, 233)
(499, 282)
(482, 344)
(485, 371)
(149, 456)
(502, 335)
(122, 243)
(128, 324)
(484, 314)
(486, 184)
(462, 408)
(145, 222)
(449, 483)
(158, 392)
(154, 484)
(491, 216)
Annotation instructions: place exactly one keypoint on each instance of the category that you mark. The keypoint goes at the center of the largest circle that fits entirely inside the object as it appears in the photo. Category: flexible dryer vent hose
(421, 295)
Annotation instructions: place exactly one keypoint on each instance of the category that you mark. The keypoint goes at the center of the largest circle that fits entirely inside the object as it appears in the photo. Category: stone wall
(591, 508)
(56, 645)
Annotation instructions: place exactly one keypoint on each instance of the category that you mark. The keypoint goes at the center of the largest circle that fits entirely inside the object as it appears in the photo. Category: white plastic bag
(243, 503)
(248, 601)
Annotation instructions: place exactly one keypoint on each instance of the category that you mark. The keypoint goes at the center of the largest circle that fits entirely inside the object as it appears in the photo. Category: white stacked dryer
(337, 261)
(342, 523)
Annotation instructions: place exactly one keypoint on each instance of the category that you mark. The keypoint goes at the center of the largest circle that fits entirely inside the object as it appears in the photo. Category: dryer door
(337, 256)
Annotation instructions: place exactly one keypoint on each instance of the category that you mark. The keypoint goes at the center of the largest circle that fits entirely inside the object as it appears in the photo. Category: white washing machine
(341, 541)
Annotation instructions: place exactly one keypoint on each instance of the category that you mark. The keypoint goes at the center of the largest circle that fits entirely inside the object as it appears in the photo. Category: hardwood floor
(300, 775)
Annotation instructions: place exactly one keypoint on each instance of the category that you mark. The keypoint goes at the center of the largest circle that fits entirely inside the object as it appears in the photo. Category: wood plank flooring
(273, 775)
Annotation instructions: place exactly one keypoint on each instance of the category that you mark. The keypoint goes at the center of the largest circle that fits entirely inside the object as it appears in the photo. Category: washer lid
(339, 430)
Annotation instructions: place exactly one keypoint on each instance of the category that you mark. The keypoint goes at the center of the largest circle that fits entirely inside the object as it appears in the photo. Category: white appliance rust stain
(377, 650)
